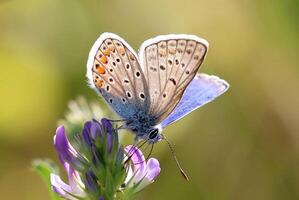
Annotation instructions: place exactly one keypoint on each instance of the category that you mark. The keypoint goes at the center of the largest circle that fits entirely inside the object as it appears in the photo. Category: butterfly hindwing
(202, 89)
(170, 62)
(113, 69)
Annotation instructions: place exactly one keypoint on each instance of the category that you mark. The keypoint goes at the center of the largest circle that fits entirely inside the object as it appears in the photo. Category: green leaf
(44, 168)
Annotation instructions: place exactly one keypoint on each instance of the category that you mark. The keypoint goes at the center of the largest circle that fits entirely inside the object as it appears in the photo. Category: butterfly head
(151, 134)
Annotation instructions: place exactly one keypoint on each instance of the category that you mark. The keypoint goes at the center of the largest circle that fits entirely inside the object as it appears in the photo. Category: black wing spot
(114, 64)
(107, 88)
(129, 94)
(110, 100)
(128, 66)
(164, 95)
(153, 69)
(117, 60)
(170, 62)
(187, 72)
(142, 96)
(162, 67)
(111, 80)
(126, 81)
(173, 81)
(137, 74)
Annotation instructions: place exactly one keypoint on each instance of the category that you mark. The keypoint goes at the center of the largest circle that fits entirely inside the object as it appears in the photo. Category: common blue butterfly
(155, 88)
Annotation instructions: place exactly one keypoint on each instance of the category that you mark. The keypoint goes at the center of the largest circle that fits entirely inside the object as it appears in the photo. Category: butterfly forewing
(114, 70)
(170, 62)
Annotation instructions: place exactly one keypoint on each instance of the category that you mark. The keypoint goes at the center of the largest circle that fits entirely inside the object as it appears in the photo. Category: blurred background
(244, 145)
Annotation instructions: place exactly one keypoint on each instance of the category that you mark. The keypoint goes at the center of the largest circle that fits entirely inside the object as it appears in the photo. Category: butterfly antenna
(183, 173)
(151, 151)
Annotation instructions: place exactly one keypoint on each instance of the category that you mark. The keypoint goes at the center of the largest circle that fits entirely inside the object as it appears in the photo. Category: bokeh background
(244, 145)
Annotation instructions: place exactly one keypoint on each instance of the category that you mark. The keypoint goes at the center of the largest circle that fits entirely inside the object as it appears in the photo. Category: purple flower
(97, 151)
(140, 172)
(99, 162)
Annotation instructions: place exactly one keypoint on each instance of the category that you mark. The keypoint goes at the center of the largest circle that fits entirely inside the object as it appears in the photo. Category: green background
(244, 145)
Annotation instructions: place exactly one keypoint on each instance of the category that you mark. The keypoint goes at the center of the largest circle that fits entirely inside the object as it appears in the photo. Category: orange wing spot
(112, 48)
(107, 52)
(99, 83)
(103, 59)
(132, 57)
(171, 51)
(162, 53)
(101, 70)
(122, 51)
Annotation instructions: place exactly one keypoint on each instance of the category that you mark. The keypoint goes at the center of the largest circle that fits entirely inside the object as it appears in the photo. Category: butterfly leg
(116, 120)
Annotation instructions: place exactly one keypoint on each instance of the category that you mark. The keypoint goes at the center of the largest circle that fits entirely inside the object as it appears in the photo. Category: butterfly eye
(134, 129)
(153, 134)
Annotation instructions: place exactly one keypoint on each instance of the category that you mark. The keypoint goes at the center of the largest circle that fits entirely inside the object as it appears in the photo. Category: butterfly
(155, 88)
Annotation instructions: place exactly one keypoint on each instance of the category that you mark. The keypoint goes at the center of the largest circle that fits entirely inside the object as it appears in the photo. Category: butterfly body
(155, 88)
(140, 122)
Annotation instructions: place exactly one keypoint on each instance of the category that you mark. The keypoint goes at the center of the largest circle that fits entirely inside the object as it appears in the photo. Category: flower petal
(107, 125)
(95, 129)
(65, 150)
(62, 144)
(138, 162)
(108, 128)
(76, 183)
(59, 185)
(86, 133)
(153, 169)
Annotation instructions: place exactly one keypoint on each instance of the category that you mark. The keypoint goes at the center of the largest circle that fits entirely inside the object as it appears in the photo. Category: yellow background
(242, 146)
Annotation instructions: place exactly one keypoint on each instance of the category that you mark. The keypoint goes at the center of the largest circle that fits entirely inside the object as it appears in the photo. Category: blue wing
(202, 89)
